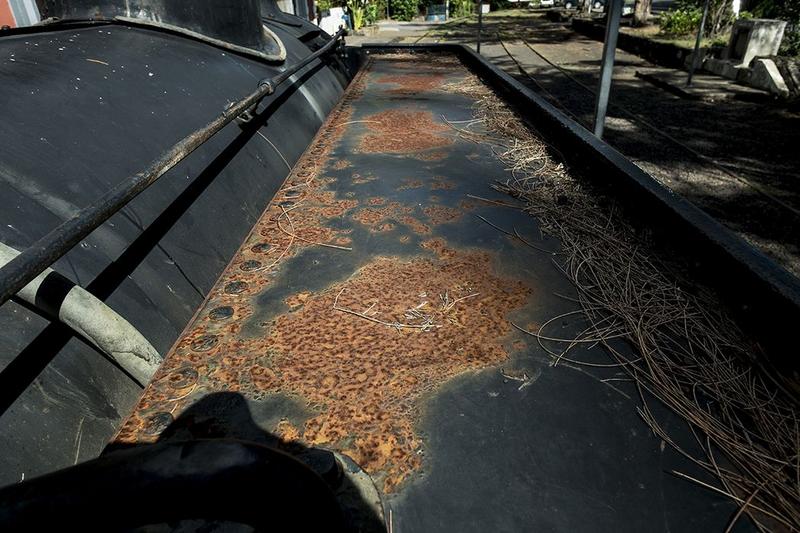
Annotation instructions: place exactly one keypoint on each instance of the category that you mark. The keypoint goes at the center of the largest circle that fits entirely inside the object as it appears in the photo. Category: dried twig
(285, 213)
(685, 351)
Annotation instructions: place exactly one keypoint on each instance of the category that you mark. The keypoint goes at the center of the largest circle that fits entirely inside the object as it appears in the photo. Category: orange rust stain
(358, 179)
(341, 164)
(469, 203)
(293, 220)
(435, 155)
(296, 300)
(414, 224)
(363, 381)
(410, 184)
(286, 432)
(439, 214)
(372, 215)
(403, 131)
(519, 345)
(412, 84)
(442, 185)
(376, 200)
(423, 62)
(366, 379)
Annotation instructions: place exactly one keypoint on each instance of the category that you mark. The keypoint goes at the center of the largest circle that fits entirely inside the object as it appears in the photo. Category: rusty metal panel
(369, 312)
(391, 308)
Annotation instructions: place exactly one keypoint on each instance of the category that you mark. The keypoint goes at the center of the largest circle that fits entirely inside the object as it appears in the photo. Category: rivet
(221, 313)
(182, 378)
(235, 287)
(205, 343)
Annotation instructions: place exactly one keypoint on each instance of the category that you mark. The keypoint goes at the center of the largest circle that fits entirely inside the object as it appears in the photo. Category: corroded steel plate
(369, 312)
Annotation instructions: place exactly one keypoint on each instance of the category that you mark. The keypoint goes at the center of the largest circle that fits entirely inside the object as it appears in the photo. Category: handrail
(44, 252)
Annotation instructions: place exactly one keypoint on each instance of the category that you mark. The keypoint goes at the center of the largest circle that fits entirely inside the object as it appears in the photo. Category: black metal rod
(35, 259)
(480, 23)
(607, 68)
(696, 55)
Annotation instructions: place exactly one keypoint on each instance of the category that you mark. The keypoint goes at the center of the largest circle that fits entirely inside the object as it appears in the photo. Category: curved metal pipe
(96, 322)
(280, 57)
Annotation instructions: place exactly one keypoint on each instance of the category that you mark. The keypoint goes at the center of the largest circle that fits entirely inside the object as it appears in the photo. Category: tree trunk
(641, 12)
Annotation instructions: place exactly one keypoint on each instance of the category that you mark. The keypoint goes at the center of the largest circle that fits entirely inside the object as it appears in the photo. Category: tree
(641, 12)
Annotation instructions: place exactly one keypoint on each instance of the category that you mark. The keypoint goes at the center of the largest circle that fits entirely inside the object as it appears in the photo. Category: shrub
(681, 21)
(461, 8)
(371, 14)
(404, 9)
(720, 15)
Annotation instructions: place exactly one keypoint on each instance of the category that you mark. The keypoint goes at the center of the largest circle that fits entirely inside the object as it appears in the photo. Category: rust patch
(293, 220)
(412, 84)
(469, 203)
(404, 214)
(296, 300)
(372, 215)
(365, 378)
(436, 155)
(376, 200)
(422, 61)
(414, 224)
(442, 185)
(341, 164)
(519, 345)
(401, 328)
(358, 179)
(410, 184)
(439, 214)
(403, 132)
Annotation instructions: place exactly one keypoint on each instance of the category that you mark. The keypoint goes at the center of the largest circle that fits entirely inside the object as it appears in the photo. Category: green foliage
(404, 9)
(685, 18)
(376, 10)
(681, 21)
(358, 9)
(372, 13)
(497, 5)
(461, 8)
(720, 41)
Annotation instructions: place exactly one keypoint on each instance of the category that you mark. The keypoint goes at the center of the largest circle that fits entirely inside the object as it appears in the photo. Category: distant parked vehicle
(597, 5)
(567, 4)
(547, 3)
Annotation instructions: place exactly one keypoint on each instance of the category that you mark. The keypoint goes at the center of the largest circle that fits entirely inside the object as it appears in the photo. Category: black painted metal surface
(51, 247)
(219, 480)
(334, 324)
(762, 295)
(236, 22)
(83, 108)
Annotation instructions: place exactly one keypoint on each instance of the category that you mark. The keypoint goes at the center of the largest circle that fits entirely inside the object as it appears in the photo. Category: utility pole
(607, 68)
(696, 55)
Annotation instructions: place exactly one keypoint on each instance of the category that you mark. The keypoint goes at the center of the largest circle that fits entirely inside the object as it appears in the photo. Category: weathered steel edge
(764, 296)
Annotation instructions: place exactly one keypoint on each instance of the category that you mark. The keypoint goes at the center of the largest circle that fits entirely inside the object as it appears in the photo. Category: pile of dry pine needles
(686, 353)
